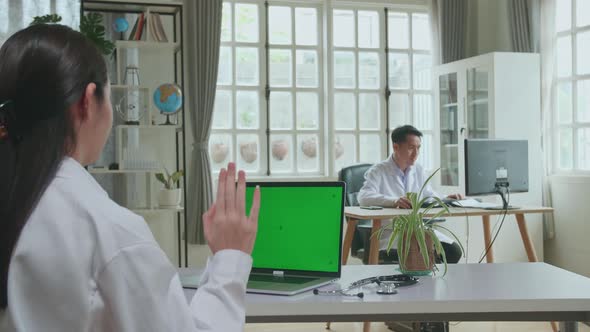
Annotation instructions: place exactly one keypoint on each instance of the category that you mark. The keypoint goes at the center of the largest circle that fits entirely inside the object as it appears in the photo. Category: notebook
(299, 242)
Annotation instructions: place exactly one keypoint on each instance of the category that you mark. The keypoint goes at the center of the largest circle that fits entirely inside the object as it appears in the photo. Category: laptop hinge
(278, 273)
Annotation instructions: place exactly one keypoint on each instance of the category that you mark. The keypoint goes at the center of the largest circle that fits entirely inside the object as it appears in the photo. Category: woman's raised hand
(226, 224)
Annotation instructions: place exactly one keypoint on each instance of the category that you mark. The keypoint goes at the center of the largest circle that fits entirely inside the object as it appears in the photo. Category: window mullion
(267, 88)
(387, 91)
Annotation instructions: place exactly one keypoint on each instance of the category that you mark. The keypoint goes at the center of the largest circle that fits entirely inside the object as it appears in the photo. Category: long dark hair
(44, 70)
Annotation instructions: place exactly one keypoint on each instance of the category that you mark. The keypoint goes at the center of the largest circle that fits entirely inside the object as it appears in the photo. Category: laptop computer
(299, 242)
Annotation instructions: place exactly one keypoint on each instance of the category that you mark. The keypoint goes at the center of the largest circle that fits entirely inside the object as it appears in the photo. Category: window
(410, 86)
(359, 105)
(358, 99)
(238, 111)
(276, 114)
(295, 82)
(293, 143)
(572, 86)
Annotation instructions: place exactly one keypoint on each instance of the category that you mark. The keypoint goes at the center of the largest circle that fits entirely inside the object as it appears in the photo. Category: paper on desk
(472, 203)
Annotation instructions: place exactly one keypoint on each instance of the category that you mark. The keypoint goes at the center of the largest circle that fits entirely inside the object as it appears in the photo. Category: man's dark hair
(399, 134)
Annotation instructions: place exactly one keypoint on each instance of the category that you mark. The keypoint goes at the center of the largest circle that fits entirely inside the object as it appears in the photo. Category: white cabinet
(495, 95)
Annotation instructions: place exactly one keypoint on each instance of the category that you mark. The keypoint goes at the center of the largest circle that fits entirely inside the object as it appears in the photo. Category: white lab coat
(84, 263)
(385, 182)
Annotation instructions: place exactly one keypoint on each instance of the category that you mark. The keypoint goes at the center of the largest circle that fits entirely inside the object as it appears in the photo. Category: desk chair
(356, 239)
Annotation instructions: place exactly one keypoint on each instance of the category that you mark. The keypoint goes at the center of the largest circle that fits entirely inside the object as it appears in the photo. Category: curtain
(17, 14)
(547, 48)
(520, 27)
(204, 32)
(433, 13)
(449, 29)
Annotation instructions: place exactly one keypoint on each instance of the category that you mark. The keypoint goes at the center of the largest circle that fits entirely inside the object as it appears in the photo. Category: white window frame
(294, 132)
(233, 88)
(411, 91)
(326, 89)
(575, 125)
(356, 91)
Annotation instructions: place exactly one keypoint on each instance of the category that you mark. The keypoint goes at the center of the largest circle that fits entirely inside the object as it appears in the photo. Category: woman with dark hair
(70, 258)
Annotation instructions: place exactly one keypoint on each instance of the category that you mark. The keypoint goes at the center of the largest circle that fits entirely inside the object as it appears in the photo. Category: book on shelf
(159, 33)
(133, 30)
(153, 34)
(151, 22)
(140, 25)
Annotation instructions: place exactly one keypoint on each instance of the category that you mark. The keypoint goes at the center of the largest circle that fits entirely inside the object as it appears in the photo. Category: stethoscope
(387, 285)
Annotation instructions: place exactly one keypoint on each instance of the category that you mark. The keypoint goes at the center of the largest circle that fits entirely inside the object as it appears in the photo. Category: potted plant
(417, 243)
(90, 26)
(171, 195)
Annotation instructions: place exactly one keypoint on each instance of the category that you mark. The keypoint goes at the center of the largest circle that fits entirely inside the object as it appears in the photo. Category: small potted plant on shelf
(417, 243)
(170, 196)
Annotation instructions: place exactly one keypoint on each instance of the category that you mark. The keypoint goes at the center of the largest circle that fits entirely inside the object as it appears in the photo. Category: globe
(121, 24)
(168, 99)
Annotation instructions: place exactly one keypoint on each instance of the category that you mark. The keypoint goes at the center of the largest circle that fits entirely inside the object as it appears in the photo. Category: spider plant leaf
(439, 250)
(438, 214)
(426, 182)
(408, 241)
(423, 247)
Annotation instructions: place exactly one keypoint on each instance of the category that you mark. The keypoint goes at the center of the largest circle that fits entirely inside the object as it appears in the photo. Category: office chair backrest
(354, 177)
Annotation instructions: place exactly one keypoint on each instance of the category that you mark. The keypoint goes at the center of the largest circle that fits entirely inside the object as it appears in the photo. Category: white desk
(469, 292)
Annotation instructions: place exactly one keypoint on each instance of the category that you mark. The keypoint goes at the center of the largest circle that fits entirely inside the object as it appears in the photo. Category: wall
(568, 249)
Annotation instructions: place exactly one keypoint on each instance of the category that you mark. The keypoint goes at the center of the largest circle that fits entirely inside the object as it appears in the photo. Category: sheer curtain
(17, 14)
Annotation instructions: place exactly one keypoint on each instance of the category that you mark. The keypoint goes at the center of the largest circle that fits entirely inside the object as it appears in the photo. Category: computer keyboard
(286, 279)
(447, 201)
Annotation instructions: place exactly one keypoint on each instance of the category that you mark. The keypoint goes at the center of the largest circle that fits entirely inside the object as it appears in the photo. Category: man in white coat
(387, 183)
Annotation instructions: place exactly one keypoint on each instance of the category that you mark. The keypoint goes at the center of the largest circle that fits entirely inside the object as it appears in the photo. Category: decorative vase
(309, 147)
(219, 152)
(280, 149)
(169, 198)
(413, 264)
(249, 151)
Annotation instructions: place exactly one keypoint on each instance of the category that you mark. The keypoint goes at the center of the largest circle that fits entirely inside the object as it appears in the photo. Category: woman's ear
(84, 106)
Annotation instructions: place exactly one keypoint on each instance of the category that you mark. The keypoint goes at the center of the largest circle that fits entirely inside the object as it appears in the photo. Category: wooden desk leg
(350, 229)
(526, 240)
(374, 248)
(487, 237)
(366, 326)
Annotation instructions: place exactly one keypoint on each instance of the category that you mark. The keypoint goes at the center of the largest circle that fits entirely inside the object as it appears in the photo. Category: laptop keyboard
(285, 280)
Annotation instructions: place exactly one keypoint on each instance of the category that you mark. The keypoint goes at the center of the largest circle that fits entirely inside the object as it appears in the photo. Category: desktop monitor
(492, 165)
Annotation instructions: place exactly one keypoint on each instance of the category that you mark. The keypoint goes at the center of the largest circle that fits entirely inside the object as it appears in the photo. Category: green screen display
(299, 228)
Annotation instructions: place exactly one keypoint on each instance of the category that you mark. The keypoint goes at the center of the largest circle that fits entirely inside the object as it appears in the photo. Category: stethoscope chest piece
(387, 288)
